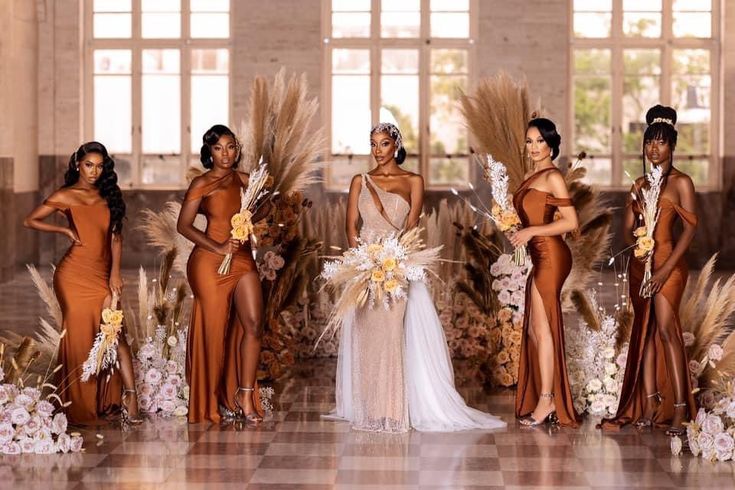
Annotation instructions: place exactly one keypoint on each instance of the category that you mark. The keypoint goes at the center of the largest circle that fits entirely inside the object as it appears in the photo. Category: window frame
(136, 44)
(375, 43)
(617, 43)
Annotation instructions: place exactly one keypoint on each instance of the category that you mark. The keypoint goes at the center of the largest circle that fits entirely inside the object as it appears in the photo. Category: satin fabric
(213, 354)
(552, 262)
(81, 284)
(632, 396)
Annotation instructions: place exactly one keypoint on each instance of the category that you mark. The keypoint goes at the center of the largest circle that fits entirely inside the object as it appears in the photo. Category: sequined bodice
(375, 223)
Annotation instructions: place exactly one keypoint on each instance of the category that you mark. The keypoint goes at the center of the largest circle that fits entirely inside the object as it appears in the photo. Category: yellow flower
(240, 219)
(639, 253)
(497, 210)
(377, 276)
(241, 233)
(503, 357)
(110, 330)
(374, 249)
(391, 285)
(508, 220)
(640, 231)
(112, 317)
(645, 243)
(389, 264)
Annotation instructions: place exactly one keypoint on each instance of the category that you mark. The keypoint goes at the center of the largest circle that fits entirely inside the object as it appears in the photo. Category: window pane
(692, 24)
(449, 171)
(209, 92)
(161, 104)
(112, 6)
(350, 24)
(351, 116)
(400, 106)
(696, 168)
(210, 25)
(592, 24)
(691, 96)
(342, 169)
(641, 90)
(448, 131)
(161, 169)
(450, 25)
(599, 170)
(450, 5)
(642, 24)
(112, 26)
(448, 61)
(592, 101)
(693, 5)
(351, 61)
(160, 5)
(110, 61)
(395, 61)
(402, 6)
(400, 24)
(350, 5)
(592, 5)
(123, 169)
(210, 61)
(642, 5)
(113, 112)
(209, 5)
(161, 25)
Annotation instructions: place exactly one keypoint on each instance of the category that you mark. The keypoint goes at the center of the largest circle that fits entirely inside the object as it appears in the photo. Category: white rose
(24, 400)
(10, 448)
(59, 423)
(27, 445)
(181, 411)
(715, 352)
(706, 441)
(731, 410)
(153, 376)
(622, 359)
(146, 351)
(172, 341)
(168, 407)
(713, 425)
(693, 439)
(32, 426)
(688, 339)
(6, 433)
(724, 445)
(44, 408)
(20, 416)
(597, 407)
(63, 443)
(676, 445)
(594, 385)
(4, 395)
(701, 417)
(76, 444)
(610, 368)
(609, 353)
(694, 367)
(44, 446)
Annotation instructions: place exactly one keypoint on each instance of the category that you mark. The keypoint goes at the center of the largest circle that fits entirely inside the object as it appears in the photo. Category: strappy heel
(646, 422)
(550, 418)
(677, 431)
(252, 416)
(125, 413)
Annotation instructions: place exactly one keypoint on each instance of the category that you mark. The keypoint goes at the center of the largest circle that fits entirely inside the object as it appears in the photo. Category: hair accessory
(392, 131)
(665, 120)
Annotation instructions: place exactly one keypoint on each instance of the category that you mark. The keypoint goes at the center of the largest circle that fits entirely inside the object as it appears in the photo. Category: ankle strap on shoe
(547, 395)
(242, 388)
(654, 395)
(679, 405)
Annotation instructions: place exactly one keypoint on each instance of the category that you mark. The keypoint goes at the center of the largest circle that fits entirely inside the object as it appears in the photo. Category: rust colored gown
(552, 262)
(81, 284)
(213, 353)
(632, 396)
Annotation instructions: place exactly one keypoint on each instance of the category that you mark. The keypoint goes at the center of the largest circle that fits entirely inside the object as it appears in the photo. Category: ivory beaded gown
(394, 371)
(552, 262)
(215, 333)
(645, 331)
(81, 284)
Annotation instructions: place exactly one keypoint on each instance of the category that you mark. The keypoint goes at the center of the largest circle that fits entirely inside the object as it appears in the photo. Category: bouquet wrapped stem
(242, 222)
(648, 203)
(103, 354)
(503, 213)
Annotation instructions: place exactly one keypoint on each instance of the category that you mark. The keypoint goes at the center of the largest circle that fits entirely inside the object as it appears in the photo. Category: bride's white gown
(394, 371)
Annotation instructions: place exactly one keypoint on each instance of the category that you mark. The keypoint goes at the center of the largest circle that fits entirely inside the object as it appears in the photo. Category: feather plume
(585, 309)
(143, 305)
(497, 114)
(725, 367)
(624, 318)
(48, 296)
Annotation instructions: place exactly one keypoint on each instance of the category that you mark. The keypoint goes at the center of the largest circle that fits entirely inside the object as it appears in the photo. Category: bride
(394, 371)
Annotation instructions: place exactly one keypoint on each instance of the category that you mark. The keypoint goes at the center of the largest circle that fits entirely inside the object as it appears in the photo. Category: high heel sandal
(252, 416)
(677, 431)
(646, 422)
(125, 413)
(551, 417)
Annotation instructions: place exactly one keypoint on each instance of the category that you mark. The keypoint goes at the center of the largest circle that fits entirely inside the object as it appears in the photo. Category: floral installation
(103, 354)
(304, 321)
(160, 379)
(29, 419)
(596, 362)
(241, 222)
(647, 199)
(376, 272)
(509, 285)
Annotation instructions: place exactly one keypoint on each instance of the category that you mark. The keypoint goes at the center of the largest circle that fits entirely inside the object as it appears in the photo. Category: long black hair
(660, 120)
(106, 183)
(210, 138)
(547, 128)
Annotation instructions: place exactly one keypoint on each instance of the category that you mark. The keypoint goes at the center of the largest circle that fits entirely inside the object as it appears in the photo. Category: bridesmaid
(85, 279)
(227, 314)
(656, 387)
(543, 392)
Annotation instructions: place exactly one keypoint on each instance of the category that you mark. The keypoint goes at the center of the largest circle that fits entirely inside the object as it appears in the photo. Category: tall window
(401, 62)
(157, 76)
(628, 55)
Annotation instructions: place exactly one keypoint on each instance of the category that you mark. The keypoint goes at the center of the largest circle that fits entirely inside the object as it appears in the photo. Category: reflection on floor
(295, 449)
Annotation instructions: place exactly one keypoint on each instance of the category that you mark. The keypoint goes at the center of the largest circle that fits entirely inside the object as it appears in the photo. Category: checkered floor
(295, 449)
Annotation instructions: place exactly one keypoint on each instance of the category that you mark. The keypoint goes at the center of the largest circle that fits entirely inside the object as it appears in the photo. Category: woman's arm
(116, 283)
(568, 221)
(687, 198)
(353, 213)
(185, 225)
(417, 201)
(35, 220)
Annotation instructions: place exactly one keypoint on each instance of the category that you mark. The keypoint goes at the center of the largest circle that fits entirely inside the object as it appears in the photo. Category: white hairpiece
(392, 131)
(665, 120)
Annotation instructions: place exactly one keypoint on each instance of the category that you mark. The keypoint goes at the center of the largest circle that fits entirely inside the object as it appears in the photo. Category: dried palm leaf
(48, 296)
(159, 228)
(725, 367)
(624, 318)
(586, 309)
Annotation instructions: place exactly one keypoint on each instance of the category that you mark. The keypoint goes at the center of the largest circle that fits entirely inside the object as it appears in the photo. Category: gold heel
(550, 418)
(252, 416)
(125, 413)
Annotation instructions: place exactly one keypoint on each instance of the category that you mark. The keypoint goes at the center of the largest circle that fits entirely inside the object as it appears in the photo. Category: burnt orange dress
(552, 262)
(633, 396)
(213, 353)
(81, 284)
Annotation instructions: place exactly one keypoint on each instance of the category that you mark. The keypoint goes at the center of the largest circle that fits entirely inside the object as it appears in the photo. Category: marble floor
(295, 449)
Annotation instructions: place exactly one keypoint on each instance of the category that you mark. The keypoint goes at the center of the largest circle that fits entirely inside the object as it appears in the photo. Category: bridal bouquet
(502, 212)
(242, 222)
(103, 354)
(377, 271)
(648, 202)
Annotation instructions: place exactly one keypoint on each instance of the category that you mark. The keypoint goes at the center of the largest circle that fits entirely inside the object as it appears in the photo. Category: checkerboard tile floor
(295, 449)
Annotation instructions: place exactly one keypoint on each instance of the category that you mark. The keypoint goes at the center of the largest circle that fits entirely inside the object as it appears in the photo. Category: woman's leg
(125, 358)
(676, 366)
(649, 376)
(248, 301)
(540, 331)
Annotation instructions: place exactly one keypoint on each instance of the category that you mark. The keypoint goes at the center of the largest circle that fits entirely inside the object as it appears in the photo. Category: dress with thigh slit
(552, 262)
(81, 284)
(213, 354)
(645, 332)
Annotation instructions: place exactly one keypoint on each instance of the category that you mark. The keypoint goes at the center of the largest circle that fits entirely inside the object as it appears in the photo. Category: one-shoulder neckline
(374, 184)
